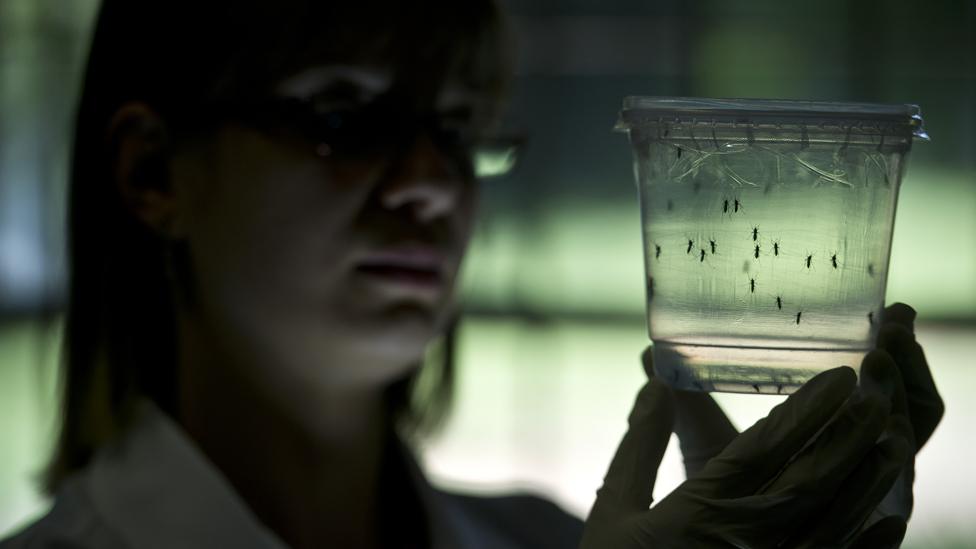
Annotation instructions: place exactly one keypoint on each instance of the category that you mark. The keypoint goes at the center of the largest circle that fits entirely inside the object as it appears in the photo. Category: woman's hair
(182, 58)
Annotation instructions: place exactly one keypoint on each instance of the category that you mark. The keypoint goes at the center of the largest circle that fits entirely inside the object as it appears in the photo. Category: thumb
(629, 483)
(702, 427)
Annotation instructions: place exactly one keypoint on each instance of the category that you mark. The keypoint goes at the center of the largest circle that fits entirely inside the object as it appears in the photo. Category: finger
(879, 369)
(702, 427)
(695, 520)
(880, 373)
(930, 404)
(820, 468)
(887, 533)
(629, 483)
(900, 500)
(862, 491)
(925, 406)
(759, 453)
(900, 313)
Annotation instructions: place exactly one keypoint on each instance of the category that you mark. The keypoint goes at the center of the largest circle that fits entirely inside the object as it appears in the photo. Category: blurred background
(553, 285)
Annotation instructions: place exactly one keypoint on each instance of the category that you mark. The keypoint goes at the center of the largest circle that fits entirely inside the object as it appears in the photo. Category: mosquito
(798, 315)
(725, 206)
(871, 270)
(779, 303)
(657, 251)
(752, 285)
(702, 256)
(809, 260)
(679, 152)
(776, 248)
(691, 244)
(737, 205)
(871, 318)
(755, 233)
(756, 253)
(712, 244)
(833, 260)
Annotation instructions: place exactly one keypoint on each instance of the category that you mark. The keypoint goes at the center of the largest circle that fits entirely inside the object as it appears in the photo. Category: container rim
(641, 109)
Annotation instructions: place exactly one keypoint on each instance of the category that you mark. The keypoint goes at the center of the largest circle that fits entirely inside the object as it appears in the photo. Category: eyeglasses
(384, 128)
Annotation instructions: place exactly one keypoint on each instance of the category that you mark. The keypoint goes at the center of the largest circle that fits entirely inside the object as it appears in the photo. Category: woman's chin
(379, 346)
(399, 333)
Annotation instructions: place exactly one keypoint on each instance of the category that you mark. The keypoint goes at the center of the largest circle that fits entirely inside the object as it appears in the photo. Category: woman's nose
(424, 179)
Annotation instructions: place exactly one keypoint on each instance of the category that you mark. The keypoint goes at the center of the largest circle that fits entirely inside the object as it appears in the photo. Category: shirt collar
(156, 489)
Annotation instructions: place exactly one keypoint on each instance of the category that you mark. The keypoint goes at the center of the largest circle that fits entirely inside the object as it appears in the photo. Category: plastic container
(767, 231)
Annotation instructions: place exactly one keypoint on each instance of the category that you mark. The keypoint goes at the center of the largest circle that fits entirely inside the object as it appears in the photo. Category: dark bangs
(184, 56)
(425, 43)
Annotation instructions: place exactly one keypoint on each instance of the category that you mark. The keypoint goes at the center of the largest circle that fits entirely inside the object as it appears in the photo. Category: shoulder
(523, 519)
(70, 524)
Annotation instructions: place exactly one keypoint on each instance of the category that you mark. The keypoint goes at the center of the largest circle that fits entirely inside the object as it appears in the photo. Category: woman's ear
(140, 151)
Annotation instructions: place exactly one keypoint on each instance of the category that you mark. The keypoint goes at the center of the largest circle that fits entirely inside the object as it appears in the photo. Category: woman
(269, 203)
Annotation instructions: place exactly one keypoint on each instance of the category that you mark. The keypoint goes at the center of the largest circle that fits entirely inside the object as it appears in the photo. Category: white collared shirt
(154, 489)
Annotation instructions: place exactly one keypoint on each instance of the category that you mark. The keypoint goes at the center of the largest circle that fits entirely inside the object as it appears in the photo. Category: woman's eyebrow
(341, 90)
(344, 83)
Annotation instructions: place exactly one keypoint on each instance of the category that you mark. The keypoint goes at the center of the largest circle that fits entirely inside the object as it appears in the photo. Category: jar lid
(773, 113)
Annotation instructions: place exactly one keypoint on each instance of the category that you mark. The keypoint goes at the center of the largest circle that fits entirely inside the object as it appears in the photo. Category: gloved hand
(898, 367)
(807, 475)
(916, 404)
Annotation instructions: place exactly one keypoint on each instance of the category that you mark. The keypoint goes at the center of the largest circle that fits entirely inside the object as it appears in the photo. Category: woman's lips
(414, 267)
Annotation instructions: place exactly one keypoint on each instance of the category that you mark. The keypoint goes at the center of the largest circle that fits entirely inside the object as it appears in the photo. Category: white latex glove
(807, 475)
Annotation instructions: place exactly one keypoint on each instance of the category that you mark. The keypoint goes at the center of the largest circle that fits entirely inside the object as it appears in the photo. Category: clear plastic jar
(767, 231)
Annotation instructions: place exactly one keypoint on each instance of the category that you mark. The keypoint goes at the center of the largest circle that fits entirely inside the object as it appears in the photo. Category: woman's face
(340, 265)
